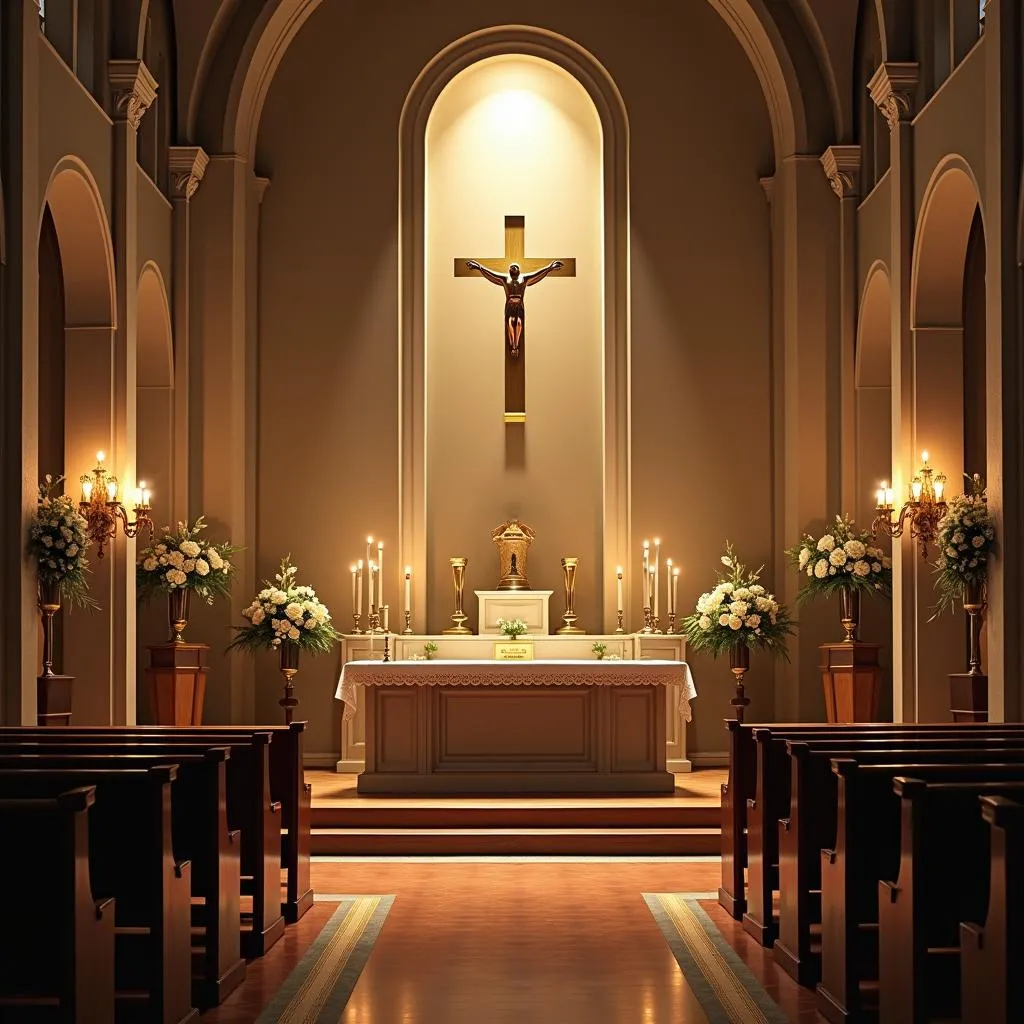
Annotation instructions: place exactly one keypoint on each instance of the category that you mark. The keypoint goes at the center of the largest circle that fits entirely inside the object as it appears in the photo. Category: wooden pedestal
(852, 679)
(53, 700)
(177, 683)
(968, 697)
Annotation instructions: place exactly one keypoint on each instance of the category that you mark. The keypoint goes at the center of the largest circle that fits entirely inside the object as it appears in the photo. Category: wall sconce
(925, 507)
(102, 509)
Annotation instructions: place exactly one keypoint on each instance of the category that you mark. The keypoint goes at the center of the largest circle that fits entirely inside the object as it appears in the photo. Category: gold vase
(569, 567)
(459, 579)
(974, 605)
(177, 612)
(849, 613)
(49, 605)
(739, 664)
(289, 667)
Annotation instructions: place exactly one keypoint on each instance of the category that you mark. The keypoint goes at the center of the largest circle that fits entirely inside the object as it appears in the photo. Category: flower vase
(968, 691)
(289, 666)
(849, 613)
(53, 691)
(739, 664)
(177, 612)
(49, 605)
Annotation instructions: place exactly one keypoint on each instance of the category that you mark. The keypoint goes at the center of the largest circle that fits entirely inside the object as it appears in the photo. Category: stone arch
(874, 327)
(87, 250)
(267, 37)
(155, 347)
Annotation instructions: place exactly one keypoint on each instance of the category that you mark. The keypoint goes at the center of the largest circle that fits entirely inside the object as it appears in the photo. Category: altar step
(597, 830)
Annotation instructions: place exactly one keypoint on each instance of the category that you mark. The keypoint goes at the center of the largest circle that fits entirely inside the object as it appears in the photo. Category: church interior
(371, 658)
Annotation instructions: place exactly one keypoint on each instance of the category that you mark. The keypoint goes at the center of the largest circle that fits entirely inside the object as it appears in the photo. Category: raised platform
(685, 822)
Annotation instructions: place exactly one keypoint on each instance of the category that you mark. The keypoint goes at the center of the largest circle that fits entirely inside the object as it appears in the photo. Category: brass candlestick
(387, 651)
(657, 623)
(739, 663)
(459, 617)
(356, 616)
(648, 628)
(408, 622)
(569, 567)
(671, 623)
(619, 628)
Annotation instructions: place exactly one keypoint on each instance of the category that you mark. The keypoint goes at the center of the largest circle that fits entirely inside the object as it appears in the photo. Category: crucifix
(515, 272)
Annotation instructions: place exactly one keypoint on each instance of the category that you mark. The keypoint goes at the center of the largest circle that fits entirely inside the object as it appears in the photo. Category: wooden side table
(968, 696)
(177, 683)
(53, 699)
(852, 678)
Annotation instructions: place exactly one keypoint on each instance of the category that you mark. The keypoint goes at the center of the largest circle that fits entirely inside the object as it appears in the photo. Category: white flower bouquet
(512, 628)
(966, 538)
(181, 560)
(57, 543)
(842, 559)
(738, 612)
(285, 613)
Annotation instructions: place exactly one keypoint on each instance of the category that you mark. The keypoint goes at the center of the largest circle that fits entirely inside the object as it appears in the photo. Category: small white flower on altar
(753, 621)
(723, 619)
(861, 568)
(735, 622)
(855, 549)
(190, 549)
(837, 556)
(739, 608)
(821, 568)
(876, 566)
(202, 566)
(827, 543)
(705, 622)
(805, 556)
(150, 564)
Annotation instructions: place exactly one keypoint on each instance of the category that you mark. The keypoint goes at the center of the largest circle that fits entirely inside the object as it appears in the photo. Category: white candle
(355, 607)
(359, 587)
(385, 623)
(380, 571)
(408, 588)
(668, 585)
(369, 553)
(675, 587)
(657, 559)
(370, 604)
(618, 590)
(647, 585)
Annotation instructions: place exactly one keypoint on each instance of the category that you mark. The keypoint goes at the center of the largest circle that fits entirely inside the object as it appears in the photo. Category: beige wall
(328, 332)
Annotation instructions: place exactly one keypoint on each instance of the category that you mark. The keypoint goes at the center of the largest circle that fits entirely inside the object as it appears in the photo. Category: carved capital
(187, 165)
(842, 168)
(133, 88)
(892, 87)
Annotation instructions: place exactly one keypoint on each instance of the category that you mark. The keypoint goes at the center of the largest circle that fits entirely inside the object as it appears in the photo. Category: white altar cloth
(549, 672)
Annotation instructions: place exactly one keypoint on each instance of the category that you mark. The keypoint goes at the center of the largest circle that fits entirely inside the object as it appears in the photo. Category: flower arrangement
(429, 650)
(966, 539)
(57, 543)
(738, 612)
(598, 649)
(285, 613)
(180, 560)
(512, 628)
(842, 559)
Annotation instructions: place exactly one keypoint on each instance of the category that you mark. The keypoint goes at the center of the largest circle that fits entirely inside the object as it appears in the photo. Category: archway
(77, 398)
(949, 391)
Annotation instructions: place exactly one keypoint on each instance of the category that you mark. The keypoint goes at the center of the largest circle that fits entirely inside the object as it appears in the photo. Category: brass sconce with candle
(922, 512)
(102, 508)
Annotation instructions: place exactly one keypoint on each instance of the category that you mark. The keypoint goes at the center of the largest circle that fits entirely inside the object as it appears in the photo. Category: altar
(545, 726)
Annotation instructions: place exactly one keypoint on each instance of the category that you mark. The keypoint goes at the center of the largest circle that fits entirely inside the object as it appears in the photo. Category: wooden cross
(515, 361)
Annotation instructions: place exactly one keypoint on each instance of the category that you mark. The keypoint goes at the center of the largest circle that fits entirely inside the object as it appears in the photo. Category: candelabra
(356, 616)
(102, 510)
(648, 627)
(921, 512)
(671, 623)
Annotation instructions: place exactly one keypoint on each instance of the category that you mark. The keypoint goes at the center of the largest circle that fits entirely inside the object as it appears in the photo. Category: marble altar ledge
(548, 672)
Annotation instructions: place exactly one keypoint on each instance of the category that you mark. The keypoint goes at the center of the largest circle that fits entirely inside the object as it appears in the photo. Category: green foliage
(512, 628)
(179, 560)
(57, 544)
(599, 648)
(738, 611)
(842, 559)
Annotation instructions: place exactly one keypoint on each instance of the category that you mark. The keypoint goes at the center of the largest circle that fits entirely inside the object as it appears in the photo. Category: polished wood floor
(530, 941)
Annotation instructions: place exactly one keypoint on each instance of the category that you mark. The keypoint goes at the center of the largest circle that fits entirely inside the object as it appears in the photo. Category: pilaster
(892, 88)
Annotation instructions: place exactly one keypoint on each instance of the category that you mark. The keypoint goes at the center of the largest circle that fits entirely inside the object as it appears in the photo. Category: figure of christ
(515, 286)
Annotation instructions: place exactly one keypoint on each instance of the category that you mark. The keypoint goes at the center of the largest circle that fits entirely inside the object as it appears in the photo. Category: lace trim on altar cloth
(496, 674)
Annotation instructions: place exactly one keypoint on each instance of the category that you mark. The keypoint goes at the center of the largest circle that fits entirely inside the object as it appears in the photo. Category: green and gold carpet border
(317, 990)
(726, 990)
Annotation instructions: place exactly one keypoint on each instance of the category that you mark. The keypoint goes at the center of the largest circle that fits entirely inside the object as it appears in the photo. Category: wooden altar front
(555, 726)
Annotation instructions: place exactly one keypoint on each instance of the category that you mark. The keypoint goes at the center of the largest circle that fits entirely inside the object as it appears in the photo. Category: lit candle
(380, 573)
(915, 490)
(668, 587)
(408, 588)
(385, 623)
(359, 586)
(675, 588)
(939, 488)
(657, 560)
(355, 607)
(369, 570)
(647, 554)
(924, 457)
(87, 490)
(880, 496)
(100, 458)
(138, 496)
(618, 588)
(647, 585)
(147, 496)
(111, 490)
(369, 552)
(888, 497)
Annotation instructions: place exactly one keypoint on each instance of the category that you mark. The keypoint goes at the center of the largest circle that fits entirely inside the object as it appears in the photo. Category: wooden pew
(866, 850)
(57, 945)
(199, 834)
(810, 825)
(943, 880)
(287, 787)
(131, 860)
(992, 952)
(249, 809)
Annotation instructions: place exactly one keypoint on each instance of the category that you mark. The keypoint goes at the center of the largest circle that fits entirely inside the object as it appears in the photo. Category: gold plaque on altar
(513, 539)
(513, 650)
